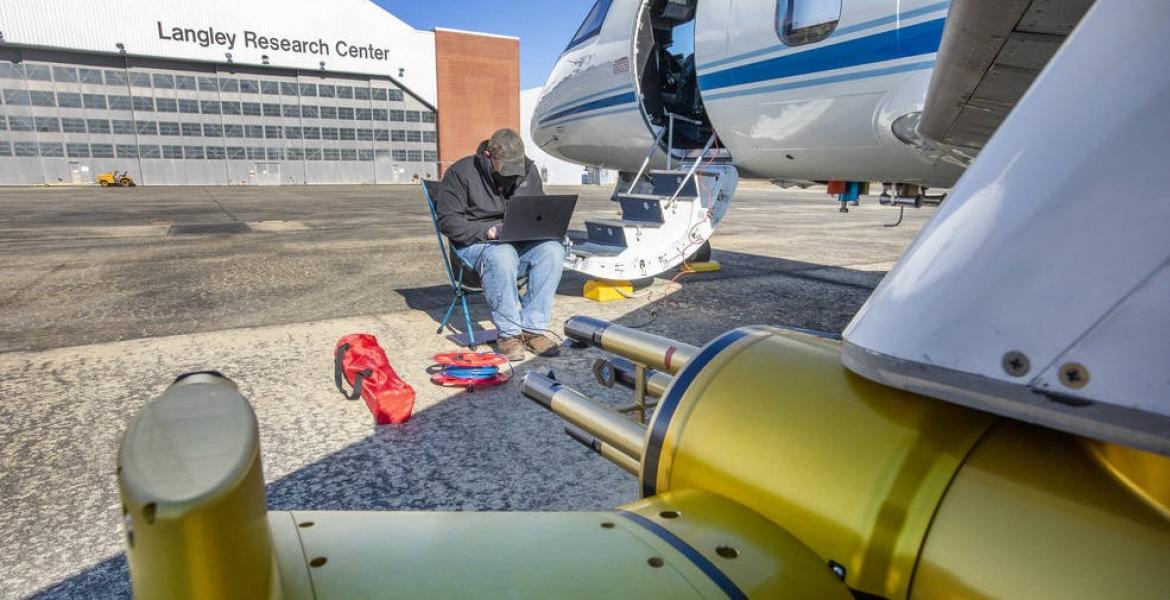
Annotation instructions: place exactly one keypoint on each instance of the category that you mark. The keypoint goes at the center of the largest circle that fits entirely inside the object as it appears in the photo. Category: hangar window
(273, 132)
(115, 78)
(365, 135)
(347, 133)
(127, 150)
(312, 133)
(172, 151)
(97, 125)
(396, 96)
(210, 107)
(379, 114)
(345, 113)
(11, 71)
(94, 101)
(146, 127)
(140, 80)
(291, 110)
(42, 98)
(65, 74)
(379, 94)
(214, 152)
(362, 114)
(77, 150)
(332, 154)
(428, 116)
(184, 82)
(90, 75)
(271, 110)
(270, 88)
(163, 81)
(25, 149)
(254, 131)
(68, 100)
(431, 156)
(101, 150)
(344, 91)
(189, 106)
(149, 151)
(806, 21)
(348, 154)
(366, 155)
(16, 97)
(328, 133)
(193, 152)
(309, 89)
(249, 86)
(294, 154)
(327, 91)
(168, 128)
(312, 154)
(192, 130)
(292, 133)
(123, 126)
(231, 108)
(328, 112)
(237, 153)
(212, 130)
(309, 111)
(361, 93)
(398, 135)
(208, 84)
(20, 123)
(48, 124)
(591, 26)
(414, 136)
(145, 104)
(73, 125)
(52, 150)
(413, 116)
(227, 84)
(382, 135)
(166, 105)
(288, 88)
(255, 153)
(233, 131)
(119, 102)
(37, 73)
(398, 115)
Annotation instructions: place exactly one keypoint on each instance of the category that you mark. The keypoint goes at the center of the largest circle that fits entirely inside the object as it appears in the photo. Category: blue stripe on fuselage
(886, 20)
(894, 44)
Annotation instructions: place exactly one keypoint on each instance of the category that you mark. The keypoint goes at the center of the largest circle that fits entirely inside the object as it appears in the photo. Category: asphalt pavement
(102, 304)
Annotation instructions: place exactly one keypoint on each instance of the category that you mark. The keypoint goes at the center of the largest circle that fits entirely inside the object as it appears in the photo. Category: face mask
(503, 181)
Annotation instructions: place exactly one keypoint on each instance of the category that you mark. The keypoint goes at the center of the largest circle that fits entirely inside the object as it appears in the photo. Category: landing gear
(703, 254)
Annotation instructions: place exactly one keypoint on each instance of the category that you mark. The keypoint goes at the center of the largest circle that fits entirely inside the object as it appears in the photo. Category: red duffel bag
(361, 362)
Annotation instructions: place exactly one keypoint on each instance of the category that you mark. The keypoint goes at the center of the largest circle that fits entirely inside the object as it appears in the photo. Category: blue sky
(543, 26)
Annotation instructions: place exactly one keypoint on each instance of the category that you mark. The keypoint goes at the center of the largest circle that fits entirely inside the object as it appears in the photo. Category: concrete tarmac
(100, 309)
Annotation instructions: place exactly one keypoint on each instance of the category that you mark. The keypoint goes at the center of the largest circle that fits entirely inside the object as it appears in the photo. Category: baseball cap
(507, 147)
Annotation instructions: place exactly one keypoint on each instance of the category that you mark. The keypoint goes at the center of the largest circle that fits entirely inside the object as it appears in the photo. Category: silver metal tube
(653, 351)
(606, 424)
(606, 451)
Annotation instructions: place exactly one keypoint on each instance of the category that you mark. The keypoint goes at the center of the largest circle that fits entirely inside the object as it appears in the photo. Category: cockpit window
(806, 21)
(592, 24)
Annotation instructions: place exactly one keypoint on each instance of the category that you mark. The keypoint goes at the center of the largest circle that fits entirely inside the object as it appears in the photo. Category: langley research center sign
(210, 36)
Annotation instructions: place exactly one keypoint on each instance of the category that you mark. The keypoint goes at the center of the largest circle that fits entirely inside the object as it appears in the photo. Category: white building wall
(99, 26)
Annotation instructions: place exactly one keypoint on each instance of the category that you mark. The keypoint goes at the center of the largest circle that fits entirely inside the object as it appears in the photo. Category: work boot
(539, 344)
(511, 346)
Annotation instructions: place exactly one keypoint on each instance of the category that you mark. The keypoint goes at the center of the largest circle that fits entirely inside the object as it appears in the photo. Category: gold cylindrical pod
(626, 375)
(193, 496)
(881, 482)
(627, 463)
(647, 349)
(605, 424)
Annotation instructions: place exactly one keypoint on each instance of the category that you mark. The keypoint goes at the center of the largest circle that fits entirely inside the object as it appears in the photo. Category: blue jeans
(499, 265)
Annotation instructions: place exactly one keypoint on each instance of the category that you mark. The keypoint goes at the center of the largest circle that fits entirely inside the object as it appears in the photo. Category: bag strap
(339, 375)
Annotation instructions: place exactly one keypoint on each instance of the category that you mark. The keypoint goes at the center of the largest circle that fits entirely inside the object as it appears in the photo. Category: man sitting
(473, 196)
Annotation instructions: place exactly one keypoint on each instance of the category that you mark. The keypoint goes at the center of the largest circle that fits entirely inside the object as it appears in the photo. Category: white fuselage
(816, 111)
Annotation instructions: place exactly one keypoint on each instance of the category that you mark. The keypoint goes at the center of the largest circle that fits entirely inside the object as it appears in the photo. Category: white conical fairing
(1041, 290)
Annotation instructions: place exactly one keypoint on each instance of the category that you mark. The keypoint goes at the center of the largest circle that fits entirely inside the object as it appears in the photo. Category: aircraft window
(592, 24)
(806, 21)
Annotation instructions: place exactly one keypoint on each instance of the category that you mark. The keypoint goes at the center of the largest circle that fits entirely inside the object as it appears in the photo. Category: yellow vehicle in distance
(122, 179)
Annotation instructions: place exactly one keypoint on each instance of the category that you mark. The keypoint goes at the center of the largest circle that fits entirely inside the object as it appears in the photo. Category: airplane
(842, 92)
(993, 423)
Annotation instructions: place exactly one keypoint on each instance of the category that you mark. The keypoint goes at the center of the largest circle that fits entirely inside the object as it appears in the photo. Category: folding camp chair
(463, 284)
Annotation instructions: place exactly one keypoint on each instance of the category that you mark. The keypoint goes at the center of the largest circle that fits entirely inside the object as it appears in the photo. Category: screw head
(1074, 375)
(1016, 364)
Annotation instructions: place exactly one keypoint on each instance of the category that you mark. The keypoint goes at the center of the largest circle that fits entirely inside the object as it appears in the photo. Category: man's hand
(494, 232)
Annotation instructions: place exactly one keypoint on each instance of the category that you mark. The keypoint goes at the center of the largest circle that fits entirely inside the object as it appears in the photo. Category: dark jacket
(469, 203)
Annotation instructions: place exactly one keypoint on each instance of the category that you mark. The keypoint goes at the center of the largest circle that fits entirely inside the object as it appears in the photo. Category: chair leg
(467, 318)
(447, 317)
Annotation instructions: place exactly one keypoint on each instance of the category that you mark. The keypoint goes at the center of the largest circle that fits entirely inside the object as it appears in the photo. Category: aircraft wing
(990, 53)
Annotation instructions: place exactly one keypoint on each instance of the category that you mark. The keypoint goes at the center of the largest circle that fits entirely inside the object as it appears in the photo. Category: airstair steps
(665, 219)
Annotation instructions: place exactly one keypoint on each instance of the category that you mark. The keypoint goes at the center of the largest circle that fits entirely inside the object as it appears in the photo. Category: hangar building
(259, 92)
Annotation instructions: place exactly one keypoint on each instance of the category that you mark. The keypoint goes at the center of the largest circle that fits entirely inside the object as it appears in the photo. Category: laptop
(535, 218)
